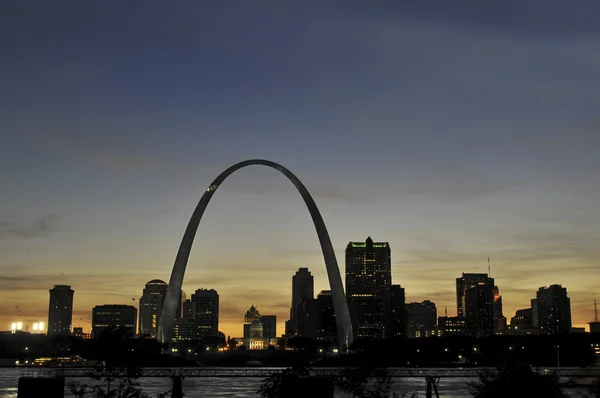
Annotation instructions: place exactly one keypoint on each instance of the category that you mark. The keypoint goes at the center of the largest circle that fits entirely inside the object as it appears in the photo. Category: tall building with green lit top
(368, 283)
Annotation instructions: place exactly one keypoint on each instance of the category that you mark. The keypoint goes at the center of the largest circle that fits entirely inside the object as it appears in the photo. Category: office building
(302, 289)
(398, 311)
(368, 281)
(522, 322)
(150, 307)
(452, 325)
(499, 320)
(115, 316)
(421, 319)
(205, 313)
(60, 311)
(307, 322)
(553, 308)
(475, 302)
(327, 328)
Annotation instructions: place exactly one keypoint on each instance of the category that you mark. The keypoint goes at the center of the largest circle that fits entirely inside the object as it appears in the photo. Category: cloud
(38, 227)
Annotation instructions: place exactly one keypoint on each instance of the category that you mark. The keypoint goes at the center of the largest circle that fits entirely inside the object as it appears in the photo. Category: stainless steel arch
(340, 306)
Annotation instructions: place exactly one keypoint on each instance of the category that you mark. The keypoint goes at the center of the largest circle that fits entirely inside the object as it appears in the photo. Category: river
(247, 387)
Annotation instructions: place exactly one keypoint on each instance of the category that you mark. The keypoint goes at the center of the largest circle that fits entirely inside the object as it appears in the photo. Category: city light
(16, 326)
(13, 326)
(19, 325)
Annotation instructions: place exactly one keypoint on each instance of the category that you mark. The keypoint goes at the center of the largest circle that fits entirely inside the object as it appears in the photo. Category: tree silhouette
(515, 380)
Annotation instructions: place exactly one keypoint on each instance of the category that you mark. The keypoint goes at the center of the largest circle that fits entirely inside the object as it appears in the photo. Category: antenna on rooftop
(595, 309)
(489, 268)
(446, 311)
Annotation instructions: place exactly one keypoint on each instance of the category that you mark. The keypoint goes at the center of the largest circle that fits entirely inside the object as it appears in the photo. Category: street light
(557, 355)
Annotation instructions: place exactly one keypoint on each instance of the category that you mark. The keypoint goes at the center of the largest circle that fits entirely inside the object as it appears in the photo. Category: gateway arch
(340, 306)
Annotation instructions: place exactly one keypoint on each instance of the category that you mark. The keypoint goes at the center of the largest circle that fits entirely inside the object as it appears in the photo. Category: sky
(455, 131)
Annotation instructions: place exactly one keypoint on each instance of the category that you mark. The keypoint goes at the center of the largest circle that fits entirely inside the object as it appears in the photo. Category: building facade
(327, 328)
(522, 322)
(452, 325)
(269, 323)
(150, 307)
(259, 331)
(398, 311)
(368, 281)
(117, 316)
(475, 302)
(553, 308)
(302, 289)
(205, 313)
(421, 319)
(60, 311)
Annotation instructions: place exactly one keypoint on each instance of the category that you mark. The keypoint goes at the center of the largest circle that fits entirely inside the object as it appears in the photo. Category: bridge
(265, 372)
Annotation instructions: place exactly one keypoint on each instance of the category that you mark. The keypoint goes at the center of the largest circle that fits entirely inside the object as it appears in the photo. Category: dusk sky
(454, 130)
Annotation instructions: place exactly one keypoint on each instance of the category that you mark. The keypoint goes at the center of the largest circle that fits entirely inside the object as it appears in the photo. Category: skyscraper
(205, 307)
(499, 318)
(475, 302)
(60, 312)
(327, 328)
(118, 316)
(553, 310)
(302, 288)
(398, 311)
(151, 303)
(368, 281)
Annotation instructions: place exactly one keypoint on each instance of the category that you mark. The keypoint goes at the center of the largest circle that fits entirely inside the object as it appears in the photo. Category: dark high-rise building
(499, 318)
(302, 288)
(368, 281)
(421, 319)
(113, 316)
(307, 323)
(327, 328)
(60, 312)
(205, 308)
(398, 311)
(269, 327)
(475, 302)
(150, 307)
(522, 322)
(553, 310)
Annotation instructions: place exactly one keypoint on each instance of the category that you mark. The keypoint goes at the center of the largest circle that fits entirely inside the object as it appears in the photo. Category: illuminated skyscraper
(368, 282)
(151, 303)
(60, 312)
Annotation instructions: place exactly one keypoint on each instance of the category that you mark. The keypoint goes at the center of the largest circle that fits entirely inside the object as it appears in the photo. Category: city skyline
(456, 135)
